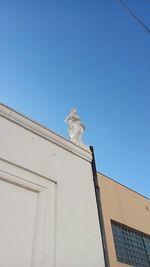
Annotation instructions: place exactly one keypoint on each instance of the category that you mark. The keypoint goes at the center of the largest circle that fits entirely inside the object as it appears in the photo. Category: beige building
(126, 216)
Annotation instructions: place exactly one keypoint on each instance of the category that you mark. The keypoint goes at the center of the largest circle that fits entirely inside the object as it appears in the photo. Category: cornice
(38, 129)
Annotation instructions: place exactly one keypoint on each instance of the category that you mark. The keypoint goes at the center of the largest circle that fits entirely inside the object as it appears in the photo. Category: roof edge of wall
(123, 185)
(38, 129)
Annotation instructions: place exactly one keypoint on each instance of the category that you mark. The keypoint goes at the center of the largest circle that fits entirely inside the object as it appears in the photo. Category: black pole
(99, 209)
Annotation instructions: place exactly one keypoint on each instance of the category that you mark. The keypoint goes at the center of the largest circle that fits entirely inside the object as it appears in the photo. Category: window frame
(130, 244)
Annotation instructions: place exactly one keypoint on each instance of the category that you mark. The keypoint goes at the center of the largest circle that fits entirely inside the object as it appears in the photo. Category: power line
(133, 15)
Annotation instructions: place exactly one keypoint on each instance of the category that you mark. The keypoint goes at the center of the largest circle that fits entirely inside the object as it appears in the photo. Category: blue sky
(55, 55)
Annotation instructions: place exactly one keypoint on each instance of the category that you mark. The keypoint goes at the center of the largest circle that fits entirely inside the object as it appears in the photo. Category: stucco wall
(124, 206)
(37, 156)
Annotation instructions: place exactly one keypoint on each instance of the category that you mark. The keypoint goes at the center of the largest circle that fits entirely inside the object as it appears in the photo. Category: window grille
(132, 247)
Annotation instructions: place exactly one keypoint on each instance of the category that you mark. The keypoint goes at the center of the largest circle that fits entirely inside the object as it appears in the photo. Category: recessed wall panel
(17, 223)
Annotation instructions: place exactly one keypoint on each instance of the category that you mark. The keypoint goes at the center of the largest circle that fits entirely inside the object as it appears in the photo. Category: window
(132, 247)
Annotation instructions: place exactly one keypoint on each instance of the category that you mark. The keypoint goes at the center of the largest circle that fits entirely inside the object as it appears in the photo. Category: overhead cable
(133, 15)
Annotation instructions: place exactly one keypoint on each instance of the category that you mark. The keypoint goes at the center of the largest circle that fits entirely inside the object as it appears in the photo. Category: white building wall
(47, 198)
